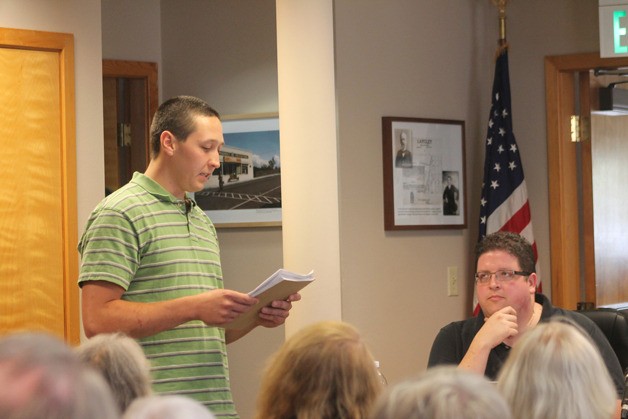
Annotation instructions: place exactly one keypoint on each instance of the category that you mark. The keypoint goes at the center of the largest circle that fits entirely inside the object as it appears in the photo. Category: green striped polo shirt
(142, 238)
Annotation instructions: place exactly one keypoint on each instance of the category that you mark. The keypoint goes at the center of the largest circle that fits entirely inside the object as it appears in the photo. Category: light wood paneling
(609, 155)
(38, 190)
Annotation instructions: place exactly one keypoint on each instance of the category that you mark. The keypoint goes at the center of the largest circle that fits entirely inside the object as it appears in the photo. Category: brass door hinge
(580, 128)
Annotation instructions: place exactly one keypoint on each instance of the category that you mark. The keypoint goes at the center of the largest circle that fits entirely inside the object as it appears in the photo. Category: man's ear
(533, 280)
(168, 143)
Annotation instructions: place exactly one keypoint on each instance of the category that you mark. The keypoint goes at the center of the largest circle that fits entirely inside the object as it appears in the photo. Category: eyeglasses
(503, 275)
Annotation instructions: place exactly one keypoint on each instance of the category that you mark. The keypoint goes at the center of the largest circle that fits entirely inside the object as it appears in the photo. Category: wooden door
(571, 183)
(38, 220)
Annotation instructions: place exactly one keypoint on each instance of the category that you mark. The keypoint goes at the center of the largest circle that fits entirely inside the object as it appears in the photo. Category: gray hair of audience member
(555, 371)
(121, 361)
(166, 407)
(442, 392)
(41, 377)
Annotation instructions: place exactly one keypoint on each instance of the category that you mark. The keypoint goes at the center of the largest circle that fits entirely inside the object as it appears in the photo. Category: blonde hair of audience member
(323, 371)
(166, 407)
(40, 377)
(442, 392)
(555, 371)
(121, 361)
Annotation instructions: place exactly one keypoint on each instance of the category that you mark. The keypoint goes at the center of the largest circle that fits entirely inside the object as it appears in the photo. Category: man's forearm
(475, 359)
(135, 319)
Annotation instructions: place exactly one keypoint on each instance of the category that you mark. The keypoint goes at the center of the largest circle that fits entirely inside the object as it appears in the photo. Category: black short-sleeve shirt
(453, 341)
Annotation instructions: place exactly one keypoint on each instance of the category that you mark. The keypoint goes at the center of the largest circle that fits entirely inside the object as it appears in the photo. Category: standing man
(151, 263)
(505, 284)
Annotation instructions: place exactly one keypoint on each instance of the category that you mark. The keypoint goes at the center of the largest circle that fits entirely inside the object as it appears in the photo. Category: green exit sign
(613, 16)
(619, 32)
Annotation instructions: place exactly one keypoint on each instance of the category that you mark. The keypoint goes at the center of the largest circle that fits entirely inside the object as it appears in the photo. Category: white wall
(81, 18)
(309, 147)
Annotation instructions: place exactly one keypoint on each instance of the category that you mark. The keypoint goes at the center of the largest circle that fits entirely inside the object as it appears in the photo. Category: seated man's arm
(497, 328)
(449, 346)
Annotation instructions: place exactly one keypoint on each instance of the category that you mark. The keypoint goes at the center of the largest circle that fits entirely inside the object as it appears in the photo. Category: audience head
(324, 371)
(555, 371)
(442, 392)
(121, 361)
(41, 377)
(166, 407)
(511, 243)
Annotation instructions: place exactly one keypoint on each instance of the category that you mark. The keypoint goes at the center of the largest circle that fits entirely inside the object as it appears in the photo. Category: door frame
(565, 241)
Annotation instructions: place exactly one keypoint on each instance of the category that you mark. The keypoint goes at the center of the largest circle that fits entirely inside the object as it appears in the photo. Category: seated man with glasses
(505, 284)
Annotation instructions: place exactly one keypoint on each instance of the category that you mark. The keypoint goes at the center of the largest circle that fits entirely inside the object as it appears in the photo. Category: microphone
(624, 401)
(188, 207)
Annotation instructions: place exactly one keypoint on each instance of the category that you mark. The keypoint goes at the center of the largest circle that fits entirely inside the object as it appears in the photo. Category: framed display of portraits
(424, 173)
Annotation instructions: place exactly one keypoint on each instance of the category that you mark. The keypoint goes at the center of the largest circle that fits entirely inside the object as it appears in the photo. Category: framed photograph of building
(424, 174)
(246, 190)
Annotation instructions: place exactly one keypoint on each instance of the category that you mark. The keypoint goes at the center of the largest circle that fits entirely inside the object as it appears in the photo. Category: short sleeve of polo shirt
(109, 249)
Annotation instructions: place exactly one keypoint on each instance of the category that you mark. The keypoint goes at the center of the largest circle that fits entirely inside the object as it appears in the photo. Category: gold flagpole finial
(501, 6)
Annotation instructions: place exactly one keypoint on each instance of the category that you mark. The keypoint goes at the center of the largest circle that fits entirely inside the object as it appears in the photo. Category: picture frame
(424, 173)
(246, 190)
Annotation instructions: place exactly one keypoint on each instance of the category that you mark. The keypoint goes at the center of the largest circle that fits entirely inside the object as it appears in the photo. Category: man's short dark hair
(511, 243)
(177, 116)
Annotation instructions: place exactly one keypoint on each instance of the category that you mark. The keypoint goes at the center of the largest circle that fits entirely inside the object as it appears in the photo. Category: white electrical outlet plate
(452, 281)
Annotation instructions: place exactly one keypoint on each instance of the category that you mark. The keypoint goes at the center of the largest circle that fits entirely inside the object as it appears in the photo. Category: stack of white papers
(278, 286)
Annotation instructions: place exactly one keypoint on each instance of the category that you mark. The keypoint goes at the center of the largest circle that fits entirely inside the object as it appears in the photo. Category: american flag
(504, 204)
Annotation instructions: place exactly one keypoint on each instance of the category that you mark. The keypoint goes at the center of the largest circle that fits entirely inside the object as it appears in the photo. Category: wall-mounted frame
(424, 174)
(246, 190)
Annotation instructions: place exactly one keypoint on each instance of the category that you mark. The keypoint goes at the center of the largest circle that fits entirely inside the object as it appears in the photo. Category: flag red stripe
(518, 221)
